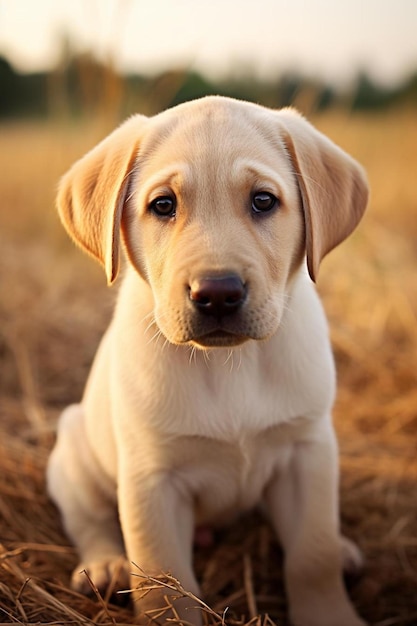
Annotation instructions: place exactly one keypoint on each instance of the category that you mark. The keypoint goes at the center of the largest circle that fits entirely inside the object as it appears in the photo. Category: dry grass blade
(167, 581)
(98, 596)
(249, 586)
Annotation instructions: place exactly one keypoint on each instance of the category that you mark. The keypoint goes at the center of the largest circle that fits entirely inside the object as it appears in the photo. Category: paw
(163, 608)
(161, 598)
(352, 558)
(107, 577)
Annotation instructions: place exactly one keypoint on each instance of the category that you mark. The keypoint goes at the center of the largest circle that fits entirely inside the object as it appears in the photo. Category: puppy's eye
(263, 202)
(163, 206)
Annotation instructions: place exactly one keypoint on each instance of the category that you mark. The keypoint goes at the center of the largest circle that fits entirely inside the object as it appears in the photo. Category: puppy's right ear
(92, 194)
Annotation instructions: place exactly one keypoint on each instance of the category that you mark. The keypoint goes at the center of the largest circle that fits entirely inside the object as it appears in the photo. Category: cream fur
(188, 419)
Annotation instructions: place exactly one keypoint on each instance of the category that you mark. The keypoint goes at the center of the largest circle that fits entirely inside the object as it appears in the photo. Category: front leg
(303, 505)
(158, 525)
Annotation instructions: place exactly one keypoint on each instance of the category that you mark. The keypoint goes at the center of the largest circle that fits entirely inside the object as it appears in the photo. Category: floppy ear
(333, 187)
(92, 194)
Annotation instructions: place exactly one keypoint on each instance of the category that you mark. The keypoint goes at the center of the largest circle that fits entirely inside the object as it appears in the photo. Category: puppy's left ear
(92, 195)
(333, 186)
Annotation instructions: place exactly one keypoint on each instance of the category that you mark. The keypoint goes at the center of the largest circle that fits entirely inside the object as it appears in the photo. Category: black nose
(218, 295)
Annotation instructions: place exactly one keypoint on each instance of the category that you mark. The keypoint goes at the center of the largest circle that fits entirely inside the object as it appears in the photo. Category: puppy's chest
(223, 478)
(228, 405)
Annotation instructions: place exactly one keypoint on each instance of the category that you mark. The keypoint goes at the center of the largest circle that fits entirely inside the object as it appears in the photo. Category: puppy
(213, 386)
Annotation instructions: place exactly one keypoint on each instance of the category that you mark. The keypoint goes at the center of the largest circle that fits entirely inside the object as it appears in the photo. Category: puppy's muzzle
(218, 296)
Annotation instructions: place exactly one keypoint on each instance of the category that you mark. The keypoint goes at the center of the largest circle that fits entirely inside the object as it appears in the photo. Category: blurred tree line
(81, 84)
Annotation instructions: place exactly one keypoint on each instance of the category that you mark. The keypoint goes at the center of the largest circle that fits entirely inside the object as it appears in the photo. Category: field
(54, 306)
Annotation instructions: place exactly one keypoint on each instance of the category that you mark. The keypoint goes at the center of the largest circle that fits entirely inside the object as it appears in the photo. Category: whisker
(166, 343)
(193, 355)
(229, 358)
(206, 355)
(239, 365)
(149, 326)
(155, 336)
(287, 309)
(232, 362)
(145, 317)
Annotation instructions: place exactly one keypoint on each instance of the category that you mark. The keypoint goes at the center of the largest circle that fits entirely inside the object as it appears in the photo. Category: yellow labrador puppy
(213, 387)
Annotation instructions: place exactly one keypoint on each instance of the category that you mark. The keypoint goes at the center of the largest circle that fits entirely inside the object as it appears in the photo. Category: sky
(329, 39)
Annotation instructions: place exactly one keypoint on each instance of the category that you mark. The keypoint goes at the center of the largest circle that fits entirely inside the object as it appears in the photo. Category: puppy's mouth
(219, 339)
(203, 331)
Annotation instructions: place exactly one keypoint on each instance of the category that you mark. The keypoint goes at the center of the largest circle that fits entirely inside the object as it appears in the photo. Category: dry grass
(51, 321)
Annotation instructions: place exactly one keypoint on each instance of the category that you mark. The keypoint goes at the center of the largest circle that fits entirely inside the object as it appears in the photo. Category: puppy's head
(218, 201)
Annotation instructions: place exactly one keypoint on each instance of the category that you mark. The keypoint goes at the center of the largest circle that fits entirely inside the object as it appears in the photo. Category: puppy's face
(218, 201)
(215, 226)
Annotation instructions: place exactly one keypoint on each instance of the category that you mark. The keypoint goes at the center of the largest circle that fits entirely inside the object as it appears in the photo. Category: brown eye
(263, 202)
(163, 206)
